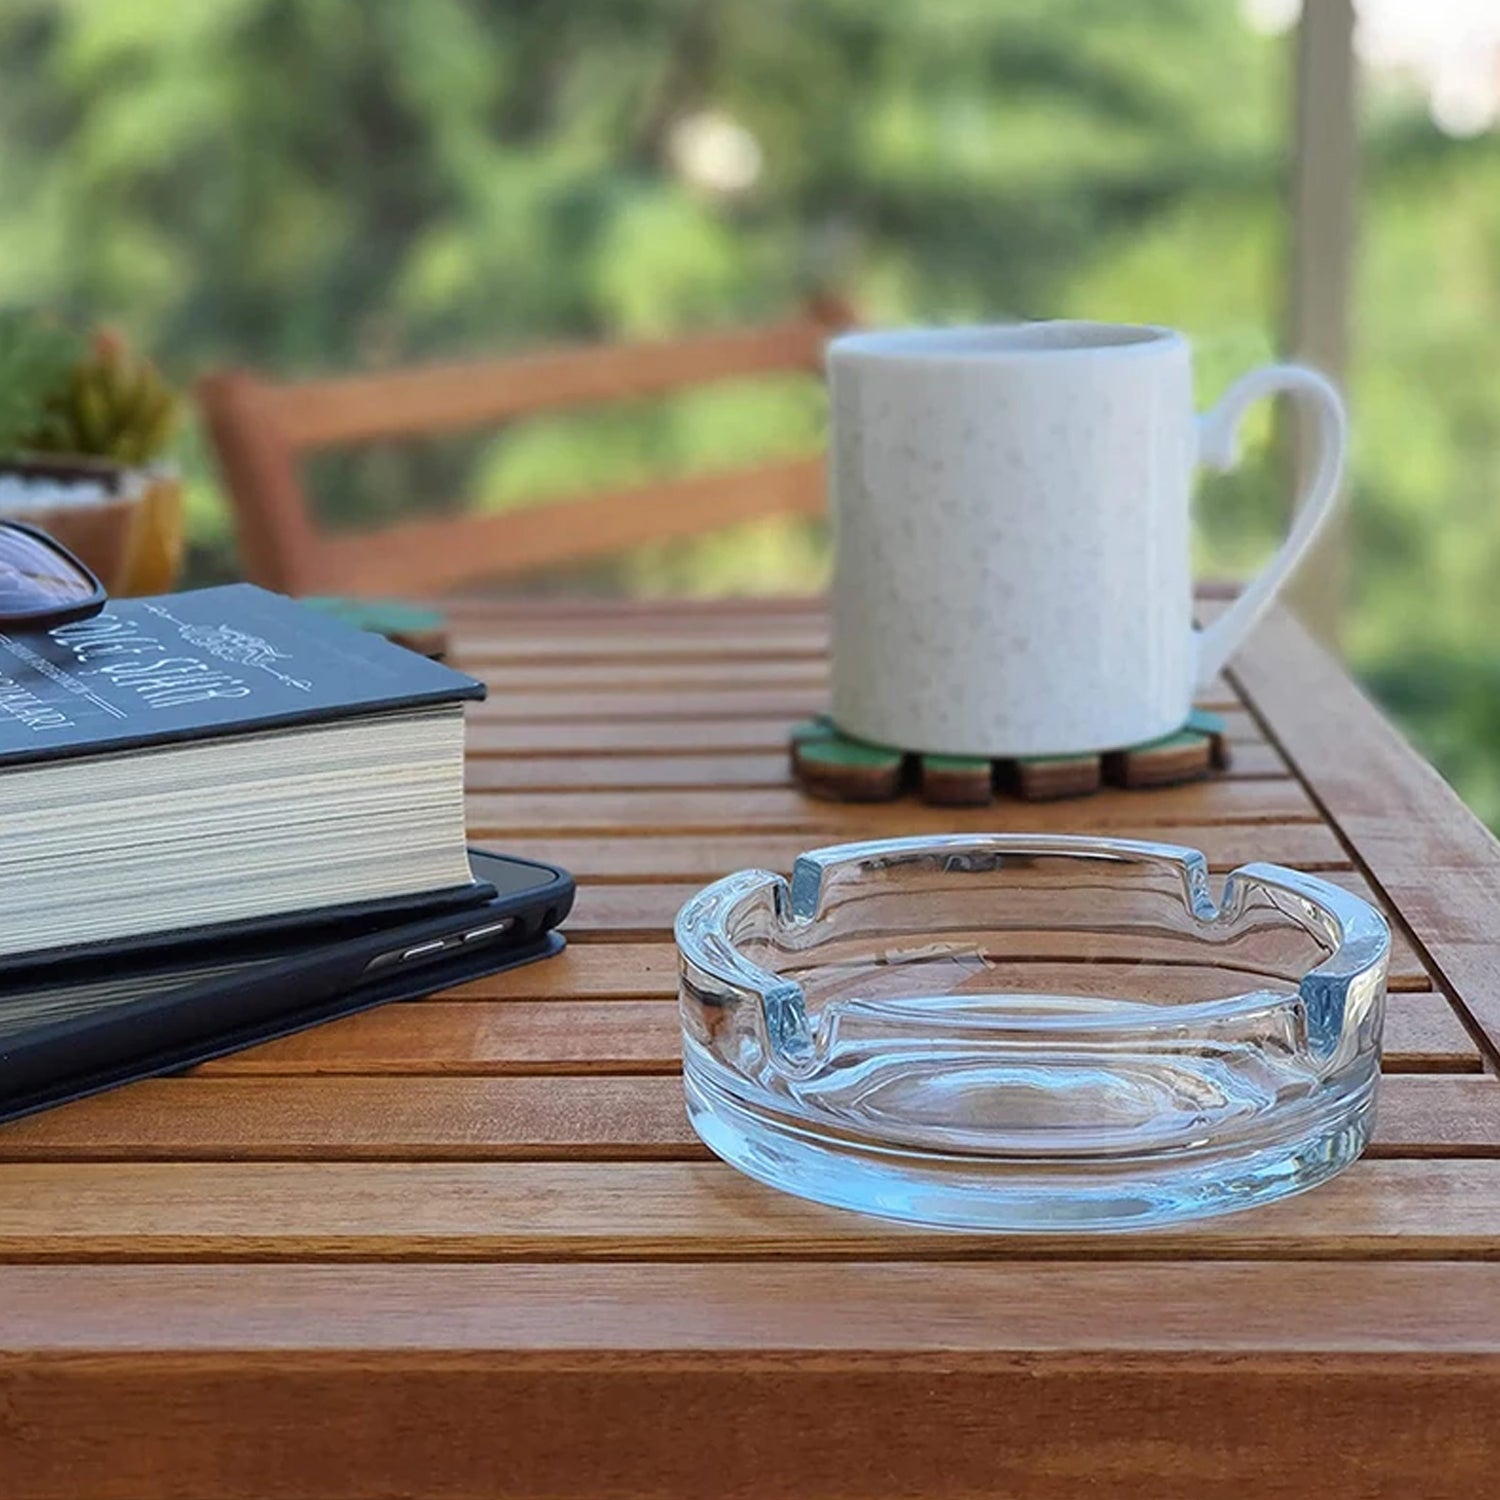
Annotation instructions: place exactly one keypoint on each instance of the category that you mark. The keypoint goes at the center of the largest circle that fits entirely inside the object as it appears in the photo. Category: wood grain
(616, 773)
(247, 1426)
(261, 429)
(540, 1036)
(357, 1211)
(1424, 1034)
(467, 1246)
(647, 911)
(634, 673)
(789, 1308)
(660, 734)
(671, 662)
(733, 810)
(597, 649)
(349, 409)
(615, 971)
(531, 1118)
(483, 609)
(1421, 846)
(421, 554)
(698, 858)
(941, 1379)
(701, 771)
(645, 970)
(490, 1037)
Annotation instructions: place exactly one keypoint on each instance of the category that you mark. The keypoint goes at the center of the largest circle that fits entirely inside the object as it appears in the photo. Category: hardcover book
(207, 759)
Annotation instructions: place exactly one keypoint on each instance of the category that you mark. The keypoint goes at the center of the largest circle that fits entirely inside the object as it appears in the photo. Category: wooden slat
(787, 704)
(732, 769)
(593, 676)
(649, 737)
(499, 1038)
(690, 647)
(419, 555)
(1422, 1034)
(498, 814)
(701, 858)
(648, 906)
(526, 1118)
(767, 768)
(585, 971)
(367, 1119)
(788, 1308)
(483, 611)
(639, 970)
(453, 397)
(673, 735)
(278, 543)
(612, 666)
(946, 1380)
(784, 644)
(1427, 852)
(647, 912)
(61, 1212)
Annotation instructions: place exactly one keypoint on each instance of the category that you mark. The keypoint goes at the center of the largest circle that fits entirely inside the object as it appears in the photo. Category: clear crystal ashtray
(1022, 1032)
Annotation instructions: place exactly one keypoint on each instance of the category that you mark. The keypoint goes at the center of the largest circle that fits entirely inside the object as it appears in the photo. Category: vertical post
(1325, 160)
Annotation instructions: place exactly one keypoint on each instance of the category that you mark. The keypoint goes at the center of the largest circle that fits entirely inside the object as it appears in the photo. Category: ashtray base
(978, 1192)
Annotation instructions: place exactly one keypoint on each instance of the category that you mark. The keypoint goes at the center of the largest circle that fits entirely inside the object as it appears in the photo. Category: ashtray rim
(1359, 935)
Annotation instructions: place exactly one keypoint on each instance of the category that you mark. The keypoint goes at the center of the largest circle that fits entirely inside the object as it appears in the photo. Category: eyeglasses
(41, 582)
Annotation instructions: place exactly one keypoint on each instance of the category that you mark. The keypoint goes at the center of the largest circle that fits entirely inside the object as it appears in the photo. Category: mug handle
(1217, 449)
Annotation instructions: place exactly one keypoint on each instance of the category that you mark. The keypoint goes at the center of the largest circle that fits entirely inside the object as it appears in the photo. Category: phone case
(173, 1052)
(353, 914)
(168, 1033)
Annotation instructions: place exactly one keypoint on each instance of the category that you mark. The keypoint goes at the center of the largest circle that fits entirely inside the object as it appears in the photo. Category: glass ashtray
(1019, 1032)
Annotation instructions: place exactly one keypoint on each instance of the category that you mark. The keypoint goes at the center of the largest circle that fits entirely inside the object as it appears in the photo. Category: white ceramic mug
(1011, 533)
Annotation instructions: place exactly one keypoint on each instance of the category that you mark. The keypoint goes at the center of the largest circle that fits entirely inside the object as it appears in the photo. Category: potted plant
(83, 427)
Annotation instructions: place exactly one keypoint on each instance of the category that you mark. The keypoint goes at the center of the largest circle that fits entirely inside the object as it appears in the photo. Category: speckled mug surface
(1011, 513)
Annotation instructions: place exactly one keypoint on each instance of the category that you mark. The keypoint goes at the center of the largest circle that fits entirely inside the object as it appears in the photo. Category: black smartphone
(78, 1027)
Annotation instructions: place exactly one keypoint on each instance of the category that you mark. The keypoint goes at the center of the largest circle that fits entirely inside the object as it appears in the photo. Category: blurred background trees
(309, 186)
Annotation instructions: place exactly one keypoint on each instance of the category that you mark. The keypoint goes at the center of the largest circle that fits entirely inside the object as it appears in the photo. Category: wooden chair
(260, 430)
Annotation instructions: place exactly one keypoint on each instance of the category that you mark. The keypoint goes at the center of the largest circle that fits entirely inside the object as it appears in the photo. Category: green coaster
(830, 764)
(422, 630)
(957, 780)
(847, 770)
(1202, 721)
(1046, 778)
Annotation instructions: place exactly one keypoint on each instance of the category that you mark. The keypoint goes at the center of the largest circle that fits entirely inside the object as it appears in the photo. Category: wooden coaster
(421, 630)
(1046, 778)
(829, 764)
(1201, 721)
(1175, 757)
(957, 780)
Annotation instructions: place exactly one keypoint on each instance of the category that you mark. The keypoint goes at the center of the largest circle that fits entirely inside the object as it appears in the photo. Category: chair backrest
(260, 430)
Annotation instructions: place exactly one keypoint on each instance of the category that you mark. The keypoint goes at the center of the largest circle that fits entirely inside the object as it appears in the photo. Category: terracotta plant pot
(156, 536)
(131, 536)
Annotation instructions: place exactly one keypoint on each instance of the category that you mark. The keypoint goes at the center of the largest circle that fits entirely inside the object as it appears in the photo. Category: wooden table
(469, 1247)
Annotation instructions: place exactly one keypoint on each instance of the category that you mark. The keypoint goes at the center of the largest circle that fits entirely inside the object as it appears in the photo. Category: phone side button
(421, 950)
(493, 929)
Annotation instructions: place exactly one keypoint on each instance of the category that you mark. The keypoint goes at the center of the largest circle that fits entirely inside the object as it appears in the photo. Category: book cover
(213, 662)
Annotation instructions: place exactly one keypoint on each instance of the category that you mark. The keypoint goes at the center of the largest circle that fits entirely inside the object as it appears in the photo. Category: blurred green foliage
(305, 185)
(36, 353)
